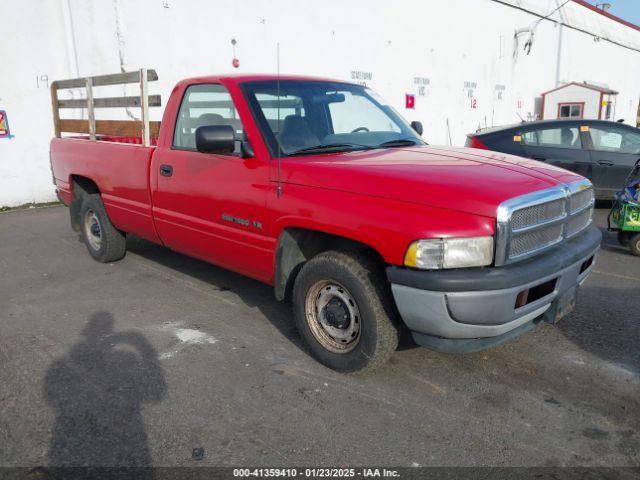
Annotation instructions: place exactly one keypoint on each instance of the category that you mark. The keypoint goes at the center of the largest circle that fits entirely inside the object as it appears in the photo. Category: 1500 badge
(241, 221)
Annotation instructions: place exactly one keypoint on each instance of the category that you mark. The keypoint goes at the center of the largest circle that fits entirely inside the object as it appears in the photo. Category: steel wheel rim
(324, 298)
(93, 230)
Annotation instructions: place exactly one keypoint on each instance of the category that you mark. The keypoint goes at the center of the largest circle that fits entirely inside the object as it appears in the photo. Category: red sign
(410, 101)
(4, 125)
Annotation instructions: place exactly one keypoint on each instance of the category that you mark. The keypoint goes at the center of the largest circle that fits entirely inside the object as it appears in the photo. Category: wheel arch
(297, 245)
(81, 187)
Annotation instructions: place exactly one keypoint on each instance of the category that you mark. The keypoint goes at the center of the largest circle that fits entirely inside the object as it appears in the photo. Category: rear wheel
(344, 311)
(104, 242)
(634, 244)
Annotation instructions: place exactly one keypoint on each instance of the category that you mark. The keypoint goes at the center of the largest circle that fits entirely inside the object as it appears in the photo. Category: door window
(560, 137)
(613, 139)
(570, 110)
(203, 105)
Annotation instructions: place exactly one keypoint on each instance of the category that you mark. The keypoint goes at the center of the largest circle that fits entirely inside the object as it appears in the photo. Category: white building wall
(449, 47)
(32, 46)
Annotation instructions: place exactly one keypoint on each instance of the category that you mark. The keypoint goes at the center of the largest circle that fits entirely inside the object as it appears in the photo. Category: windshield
(299, 117)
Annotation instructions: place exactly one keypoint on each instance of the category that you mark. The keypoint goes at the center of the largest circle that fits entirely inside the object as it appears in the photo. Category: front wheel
(104, 242)
(344, 311)
(634, 244)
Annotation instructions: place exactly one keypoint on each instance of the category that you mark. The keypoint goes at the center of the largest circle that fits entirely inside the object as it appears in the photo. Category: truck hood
(463, 179)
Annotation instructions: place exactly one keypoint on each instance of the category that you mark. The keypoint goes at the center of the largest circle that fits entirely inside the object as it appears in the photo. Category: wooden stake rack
(143, 129)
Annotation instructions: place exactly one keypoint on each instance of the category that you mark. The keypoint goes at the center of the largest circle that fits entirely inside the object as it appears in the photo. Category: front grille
(579, 222)
(523, 243)
(580, 200)
(537, 214)
(535, 222)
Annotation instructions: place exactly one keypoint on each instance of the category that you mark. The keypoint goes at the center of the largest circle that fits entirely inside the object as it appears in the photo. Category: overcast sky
(626, 9)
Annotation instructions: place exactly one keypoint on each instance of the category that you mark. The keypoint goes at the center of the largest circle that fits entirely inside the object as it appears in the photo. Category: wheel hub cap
(333, 316)
(93, 230)
(336, 314)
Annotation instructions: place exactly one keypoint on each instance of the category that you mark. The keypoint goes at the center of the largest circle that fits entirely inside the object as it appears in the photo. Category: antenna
(279, 184)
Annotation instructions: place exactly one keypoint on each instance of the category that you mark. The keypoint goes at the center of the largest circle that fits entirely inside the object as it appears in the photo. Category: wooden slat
(92, 115)
(102, 80)
(144, 107)
(110, 102)
(115, 128)
(56, 113)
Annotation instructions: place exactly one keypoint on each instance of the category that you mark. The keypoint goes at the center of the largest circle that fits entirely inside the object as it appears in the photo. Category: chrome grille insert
(579, 222)
(538, 214)
(534, 240)
(534, 222)
(581, 200)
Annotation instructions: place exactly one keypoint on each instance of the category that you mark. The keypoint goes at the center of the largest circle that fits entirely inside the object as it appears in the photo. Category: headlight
(440, 253)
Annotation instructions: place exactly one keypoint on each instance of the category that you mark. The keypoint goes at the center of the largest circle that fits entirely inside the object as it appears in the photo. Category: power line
(554, 11)
(572, 27)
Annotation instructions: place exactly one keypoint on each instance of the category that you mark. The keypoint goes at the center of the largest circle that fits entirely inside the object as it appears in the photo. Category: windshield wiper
(331, 147)
(399, 142)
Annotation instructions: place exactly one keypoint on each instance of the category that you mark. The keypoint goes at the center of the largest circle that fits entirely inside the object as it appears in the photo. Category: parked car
(602, 151)
(321, 189)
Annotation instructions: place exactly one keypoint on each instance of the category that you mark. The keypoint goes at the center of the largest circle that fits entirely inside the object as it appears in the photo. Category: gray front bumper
(450, 316)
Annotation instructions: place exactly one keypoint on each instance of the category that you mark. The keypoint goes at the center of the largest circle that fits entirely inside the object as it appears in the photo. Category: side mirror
(417, 126)
(216, 139)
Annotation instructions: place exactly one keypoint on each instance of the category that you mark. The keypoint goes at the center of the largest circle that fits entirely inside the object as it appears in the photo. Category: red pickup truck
(319, 188)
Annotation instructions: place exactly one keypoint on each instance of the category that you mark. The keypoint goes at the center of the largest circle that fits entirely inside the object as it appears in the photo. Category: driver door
(212, 206)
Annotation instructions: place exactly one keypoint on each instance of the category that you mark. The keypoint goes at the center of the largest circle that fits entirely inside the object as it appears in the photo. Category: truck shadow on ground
(606, 329)
(254, 294)
(97, 391)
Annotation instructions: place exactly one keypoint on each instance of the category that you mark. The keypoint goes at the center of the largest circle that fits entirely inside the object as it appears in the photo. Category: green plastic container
(626, 216)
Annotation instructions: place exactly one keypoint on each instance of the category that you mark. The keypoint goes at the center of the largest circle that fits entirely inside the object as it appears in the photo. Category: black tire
(634, 244)
(112, 244)
(364, 282)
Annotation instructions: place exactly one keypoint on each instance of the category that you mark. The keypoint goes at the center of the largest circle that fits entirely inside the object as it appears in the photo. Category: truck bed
(119, 167)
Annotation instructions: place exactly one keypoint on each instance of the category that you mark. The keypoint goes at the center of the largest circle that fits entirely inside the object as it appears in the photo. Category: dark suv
(602, 151)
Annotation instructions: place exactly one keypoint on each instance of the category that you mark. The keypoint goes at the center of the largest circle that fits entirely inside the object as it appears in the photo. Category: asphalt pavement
(163, 360)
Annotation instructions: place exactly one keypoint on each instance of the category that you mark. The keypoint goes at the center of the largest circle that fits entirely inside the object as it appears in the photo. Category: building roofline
(590, 86)
(607, 14)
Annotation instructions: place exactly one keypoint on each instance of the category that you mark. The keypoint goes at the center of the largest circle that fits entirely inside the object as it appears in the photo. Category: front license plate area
(566, 303)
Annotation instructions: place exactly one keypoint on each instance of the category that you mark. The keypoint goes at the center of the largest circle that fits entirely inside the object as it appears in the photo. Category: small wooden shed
(579, 100)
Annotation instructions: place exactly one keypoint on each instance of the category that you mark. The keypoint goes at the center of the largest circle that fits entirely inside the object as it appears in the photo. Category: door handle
(605, 163)
(166, 170)
(539, 158)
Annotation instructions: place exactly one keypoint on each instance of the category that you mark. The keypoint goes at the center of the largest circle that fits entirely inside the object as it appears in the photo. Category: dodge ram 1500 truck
(319, 188)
